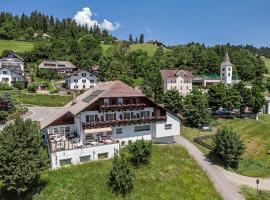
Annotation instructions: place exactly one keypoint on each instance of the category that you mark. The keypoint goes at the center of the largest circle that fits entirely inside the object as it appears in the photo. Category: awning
(97, 130)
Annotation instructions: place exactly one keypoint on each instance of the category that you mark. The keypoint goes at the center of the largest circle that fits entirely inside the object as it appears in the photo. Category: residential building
(180, 80)
(98, 122)
(81, 80)
(9, 76)
(14, 62)
(156, 43)
(60, 67)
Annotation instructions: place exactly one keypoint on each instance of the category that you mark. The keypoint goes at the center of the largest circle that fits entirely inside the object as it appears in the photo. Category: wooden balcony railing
(123, 122)
(122, 106)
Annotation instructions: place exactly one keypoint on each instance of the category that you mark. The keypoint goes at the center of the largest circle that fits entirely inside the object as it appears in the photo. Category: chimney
(73, 97)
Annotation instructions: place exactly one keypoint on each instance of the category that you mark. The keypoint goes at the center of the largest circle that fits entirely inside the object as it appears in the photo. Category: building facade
(180, 80)
(81, 80)
(14, 62)
(101, 120)
(226, 70)
(60, 67)
(9, 76)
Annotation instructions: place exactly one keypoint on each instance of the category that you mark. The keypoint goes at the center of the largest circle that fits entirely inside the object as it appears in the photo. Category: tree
(130, 39)
(22, 156)
(217, 96)
(141, 151)
(196, 108)
(141, 39)
(173, 101)
(257, 100)
(121, 177)
(229, 146)
(7, 98)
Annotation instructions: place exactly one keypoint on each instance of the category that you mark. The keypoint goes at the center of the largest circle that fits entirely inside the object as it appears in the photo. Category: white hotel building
(101, 120)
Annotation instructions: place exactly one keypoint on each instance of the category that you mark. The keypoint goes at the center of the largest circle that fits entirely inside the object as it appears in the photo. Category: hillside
(18, 46)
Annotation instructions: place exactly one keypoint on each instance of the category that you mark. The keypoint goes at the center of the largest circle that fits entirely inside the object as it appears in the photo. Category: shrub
(19, 85)
(53, 91)
(5, 86)
(121, 177)
(3, 115)
(140, 151)
(47, 74)
(229, 147)
(31, 88)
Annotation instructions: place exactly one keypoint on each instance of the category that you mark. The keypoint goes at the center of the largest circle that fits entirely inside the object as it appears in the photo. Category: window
(106, 102)
(120, 101)
(90, 118)
(4, 72)
(83, 86)
(118, 131)
(84, 81)
(103, 155)
(92, 81)
(229, 69)
(76, 86)
(75, 80)
(222, 74)
(84, 74)
(90, 74)
(62, 130)
(126, 115)
(229, 74)
(110, 117)
(55, 131)
(76, 74)
(84, 158)
(142, 128)
(67, 129)
(181, 87)
(187, 87)
(122, 143)
(65, 162)
(223, 69)
(145, 114)
(168, 126)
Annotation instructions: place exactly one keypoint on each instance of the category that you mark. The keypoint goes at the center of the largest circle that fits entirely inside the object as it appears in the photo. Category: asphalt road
(227, 189)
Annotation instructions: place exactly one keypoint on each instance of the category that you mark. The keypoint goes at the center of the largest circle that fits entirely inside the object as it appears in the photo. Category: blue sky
(171, 21)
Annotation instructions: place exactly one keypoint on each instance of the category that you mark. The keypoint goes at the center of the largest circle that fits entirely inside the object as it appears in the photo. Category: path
(245, 180)
(227, 190)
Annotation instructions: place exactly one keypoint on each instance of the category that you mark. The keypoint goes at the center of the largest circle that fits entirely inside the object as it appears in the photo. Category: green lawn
(171, 174)
(267, 64)
(256, 135)
(251, 194)
(18, 46)
(38, 99)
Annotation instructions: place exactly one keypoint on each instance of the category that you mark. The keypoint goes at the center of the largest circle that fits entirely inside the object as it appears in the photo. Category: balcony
(124, 122)
(122, 106)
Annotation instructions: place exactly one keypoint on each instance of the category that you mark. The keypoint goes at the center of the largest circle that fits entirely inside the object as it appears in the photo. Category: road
(227, 189)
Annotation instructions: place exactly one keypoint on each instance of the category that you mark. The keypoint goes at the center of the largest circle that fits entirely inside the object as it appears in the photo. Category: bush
(19, 85)
(3, 115)
(5, 86)
(31, 88)
(47, 74)
(53, 91)
(140, 151)
(229, 147)
(121, 177)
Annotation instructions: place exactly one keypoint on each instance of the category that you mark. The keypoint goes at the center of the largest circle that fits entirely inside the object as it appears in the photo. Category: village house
(180, 80)
(60, 67)
(81, 80)
(97, 123)
(11, 68)
(156, 43)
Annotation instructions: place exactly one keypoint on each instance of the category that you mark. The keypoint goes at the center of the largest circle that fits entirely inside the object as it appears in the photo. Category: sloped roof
(102, 90)
(66, 64)
(175, 73)
(226, 60)
(14, 54)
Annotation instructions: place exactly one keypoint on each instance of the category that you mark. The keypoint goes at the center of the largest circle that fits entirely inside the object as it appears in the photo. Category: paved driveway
(227, 189)
(39, 113)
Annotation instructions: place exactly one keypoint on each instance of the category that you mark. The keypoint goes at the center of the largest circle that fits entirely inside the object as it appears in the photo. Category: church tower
(226, 70)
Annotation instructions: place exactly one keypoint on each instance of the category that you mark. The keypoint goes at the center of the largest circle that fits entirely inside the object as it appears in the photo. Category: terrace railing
(122, 106)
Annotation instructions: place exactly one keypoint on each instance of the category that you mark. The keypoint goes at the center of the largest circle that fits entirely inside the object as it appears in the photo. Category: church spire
(226, 60)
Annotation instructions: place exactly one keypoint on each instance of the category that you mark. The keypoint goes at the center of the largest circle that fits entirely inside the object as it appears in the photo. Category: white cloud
(84, 17)
(149, 30)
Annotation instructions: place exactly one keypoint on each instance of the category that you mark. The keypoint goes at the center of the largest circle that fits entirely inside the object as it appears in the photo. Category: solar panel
(92, 95)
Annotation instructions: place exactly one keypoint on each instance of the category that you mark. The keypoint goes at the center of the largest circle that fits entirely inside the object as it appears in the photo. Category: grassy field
(267, 64)
(251, 194)
(18, 46)
(38, 99)
(255, 162)
(149, 48)
(171, 174)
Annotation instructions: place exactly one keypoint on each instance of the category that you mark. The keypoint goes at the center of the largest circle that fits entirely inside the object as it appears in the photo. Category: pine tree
(130, 39)
(141, 40)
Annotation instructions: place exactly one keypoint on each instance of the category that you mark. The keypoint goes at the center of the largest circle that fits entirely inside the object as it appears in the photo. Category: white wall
(159, 129)
(184, 86)
(88, 78)
(75, 154)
